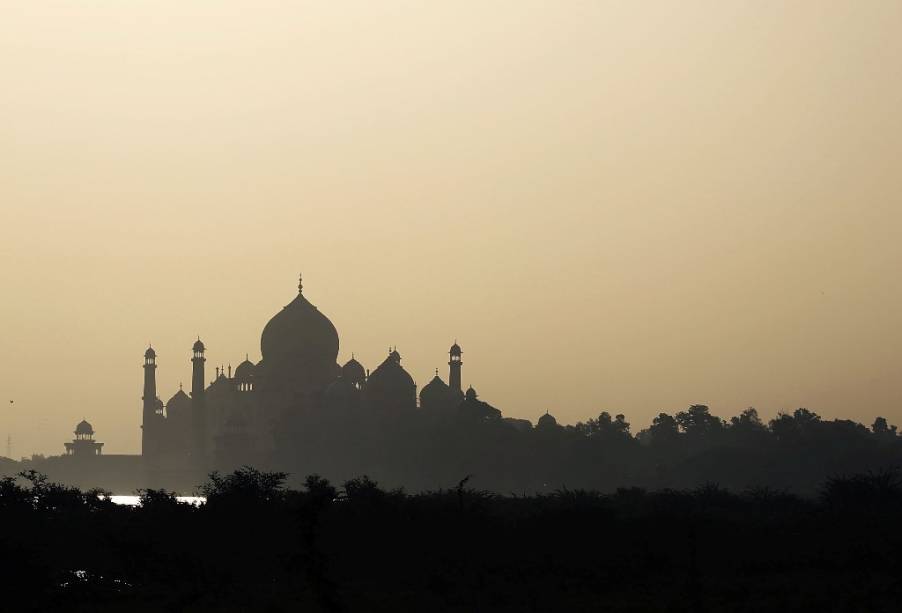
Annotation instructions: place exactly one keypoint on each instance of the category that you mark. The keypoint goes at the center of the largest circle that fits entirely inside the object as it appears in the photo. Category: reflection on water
(132, 501)
(82, 577)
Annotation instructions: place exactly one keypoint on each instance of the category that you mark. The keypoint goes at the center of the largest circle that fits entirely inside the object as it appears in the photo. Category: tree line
(794, 451)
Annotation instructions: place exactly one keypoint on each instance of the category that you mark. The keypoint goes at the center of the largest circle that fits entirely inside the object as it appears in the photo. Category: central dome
(299, 335)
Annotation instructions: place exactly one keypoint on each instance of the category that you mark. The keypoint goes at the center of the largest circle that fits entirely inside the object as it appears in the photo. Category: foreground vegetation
(258, 546)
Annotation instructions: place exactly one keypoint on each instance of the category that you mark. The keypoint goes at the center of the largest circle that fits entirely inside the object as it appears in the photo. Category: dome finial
(300, 283)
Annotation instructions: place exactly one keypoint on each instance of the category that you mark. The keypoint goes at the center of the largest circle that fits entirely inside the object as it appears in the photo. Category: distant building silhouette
(298, 411)
(232, 419)
(84, 444)
(546, 422)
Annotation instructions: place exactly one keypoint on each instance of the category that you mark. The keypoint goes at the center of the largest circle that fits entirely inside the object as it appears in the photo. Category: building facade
(231, 420)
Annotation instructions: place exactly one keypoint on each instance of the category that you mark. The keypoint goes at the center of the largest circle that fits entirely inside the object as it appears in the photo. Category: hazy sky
(632, 206)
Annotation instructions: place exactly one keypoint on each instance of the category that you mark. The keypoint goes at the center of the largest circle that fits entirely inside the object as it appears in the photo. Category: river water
(132, 501)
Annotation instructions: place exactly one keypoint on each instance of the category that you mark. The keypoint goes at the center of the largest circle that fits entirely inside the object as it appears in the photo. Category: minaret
(454, 363)
(149, 430)
(198, 405)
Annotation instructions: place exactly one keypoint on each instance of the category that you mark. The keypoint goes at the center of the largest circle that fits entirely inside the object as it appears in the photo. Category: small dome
(84, 427)
(390, 386)
(546, 421)
(471, 394)
(180, 401)
(436, 393)
(390, 372)
(435, 385)
(198, 346)
(455, 349)
(353, 371)
(150, 353)
(245, 371)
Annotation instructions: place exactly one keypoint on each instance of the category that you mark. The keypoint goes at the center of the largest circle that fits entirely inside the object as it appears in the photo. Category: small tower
(454, 364)
(198, 404)
(149, 429)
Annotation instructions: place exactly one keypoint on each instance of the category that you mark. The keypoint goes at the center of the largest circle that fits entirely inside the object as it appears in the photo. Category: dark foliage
(257, 545)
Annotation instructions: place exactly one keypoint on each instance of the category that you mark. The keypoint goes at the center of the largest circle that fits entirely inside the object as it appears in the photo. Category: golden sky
(631, 206)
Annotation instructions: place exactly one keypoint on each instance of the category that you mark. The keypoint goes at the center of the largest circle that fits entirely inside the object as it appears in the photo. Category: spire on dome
(299, 336)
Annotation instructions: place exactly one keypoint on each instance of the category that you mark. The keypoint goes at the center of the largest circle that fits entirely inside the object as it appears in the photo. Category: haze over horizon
(612, 206)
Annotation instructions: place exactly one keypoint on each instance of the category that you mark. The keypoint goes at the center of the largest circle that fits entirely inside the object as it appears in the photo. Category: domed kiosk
(84, 444)
(354, 373)
(436, 395)
(179, 407)
(390, 388)
(244, 375)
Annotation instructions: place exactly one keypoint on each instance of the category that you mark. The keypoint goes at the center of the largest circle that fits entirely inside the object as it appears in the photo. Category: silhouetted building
(233, 419)
(84, 444)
